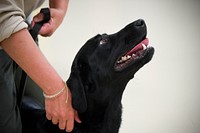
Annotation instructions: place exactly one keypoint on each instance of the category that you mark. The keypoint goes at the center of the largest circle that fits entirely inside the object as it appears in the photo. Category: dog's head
(105, 64)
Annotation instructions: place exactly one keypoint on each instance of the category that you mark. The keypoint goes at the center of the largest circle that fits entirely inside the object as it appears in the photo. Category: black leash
(34, 33)
(35, 30)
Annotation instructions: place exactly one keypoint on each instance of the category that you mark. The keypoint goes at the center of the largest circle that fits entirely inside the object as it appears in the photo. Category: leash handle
(36, 28)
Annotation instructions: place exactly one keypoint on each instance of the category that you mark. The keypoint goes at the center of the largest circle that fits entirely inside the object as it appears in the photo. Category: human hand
(49, 28)
(61, 112)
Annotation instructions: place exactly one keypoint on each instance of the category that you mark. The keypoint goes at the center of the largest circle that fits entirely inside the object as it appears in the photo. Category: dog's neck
(108, 111)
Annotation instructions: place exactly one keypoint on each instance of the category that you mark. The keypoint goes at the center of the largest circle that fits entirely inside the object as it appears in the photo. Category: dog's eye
(103, 41)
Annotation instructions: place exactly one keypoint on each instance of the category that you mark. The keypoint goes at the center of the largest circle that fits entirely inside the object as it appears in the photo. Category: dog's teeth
(120, 61)
(133, 55)
(144, 46)
(123, 58)
(128, 57)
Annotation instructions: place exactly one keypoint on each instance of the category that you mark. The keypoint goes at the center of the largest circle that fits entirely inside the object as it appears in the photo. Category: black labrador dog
(99, 74)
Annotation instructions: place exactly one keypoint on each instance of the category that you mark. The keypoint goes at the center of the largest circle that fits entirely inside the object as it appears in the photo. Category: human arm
(21, 48)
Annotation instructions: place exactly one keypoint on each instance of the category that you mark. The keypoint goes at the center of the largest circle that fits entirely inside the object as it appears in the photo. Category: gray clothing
(13, 14)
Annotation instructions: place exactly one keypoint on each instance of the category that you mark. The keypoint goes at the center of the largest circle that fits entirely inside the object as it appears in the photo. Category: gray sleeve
(11, 18)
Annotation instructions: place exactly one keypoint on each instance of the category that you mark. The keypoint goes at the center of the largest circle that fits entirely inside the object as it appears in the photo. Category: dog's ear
(76, 87)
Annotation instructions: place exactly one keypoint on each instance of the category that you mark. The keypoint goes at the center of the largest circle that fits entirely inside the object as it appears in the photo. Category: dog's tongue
(139, 47)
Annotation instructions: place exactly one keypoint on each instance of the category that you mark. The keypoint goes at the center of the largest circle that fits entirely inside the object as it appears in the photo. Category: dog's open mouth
(132, 55)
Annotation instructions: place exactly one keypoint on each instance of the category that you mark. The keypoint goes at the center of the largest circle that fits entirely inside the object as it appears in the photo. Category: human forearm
(58, 9)
(59, 4)
(21, 47)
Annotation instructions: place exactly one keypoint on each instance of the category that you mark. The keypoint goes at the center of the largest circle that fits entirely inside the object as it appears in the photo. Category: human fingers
(47, 29)
(39, 17)
(55, 120)
(70, 125)
(62, 124)
(76, 117)
(48, 116)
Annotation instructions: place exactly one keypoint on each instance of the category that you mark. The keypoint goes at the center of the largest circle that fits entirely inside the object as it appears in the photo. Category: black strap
(46, 17)
(34, 33)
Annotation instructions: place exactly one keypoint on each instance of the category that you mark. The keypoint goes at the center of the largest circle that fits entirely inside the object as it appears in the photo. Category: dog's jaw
(130, 56)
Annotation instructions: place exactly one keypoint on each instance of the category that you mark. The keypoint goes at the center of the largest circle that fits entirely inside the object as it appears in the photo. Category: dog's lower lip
(133, 54)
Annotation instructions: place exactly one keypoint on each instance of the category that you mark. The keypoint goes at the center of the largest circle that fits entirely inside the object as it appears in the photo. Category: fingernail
(68, 130)
(79, 121)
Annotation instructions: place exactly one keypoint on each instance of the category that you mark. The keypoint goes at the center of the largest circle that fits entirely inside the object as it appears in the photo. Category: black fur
(96, 85)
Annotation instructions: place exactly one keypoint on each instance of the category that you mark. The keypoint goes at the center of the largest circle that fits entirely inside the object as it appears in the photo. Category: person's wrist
(59, 92)
(58, 15)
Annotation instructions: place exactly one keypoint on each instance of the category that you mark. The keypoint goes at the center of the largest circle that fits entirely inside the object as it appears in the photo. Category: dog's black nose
(139, 22)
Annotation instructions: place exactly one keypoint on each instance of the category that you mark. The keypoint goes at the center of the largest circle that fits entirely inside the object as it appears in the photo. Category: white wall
(164, 96)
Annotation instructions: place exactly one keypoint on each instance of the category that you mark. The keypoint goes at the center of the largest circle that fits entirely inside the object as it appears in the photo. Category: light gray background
(164, 96)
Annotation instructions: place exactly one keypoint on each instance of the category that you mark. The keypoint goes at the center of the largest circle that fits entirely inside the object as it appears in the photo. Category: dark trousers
(10, 121)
